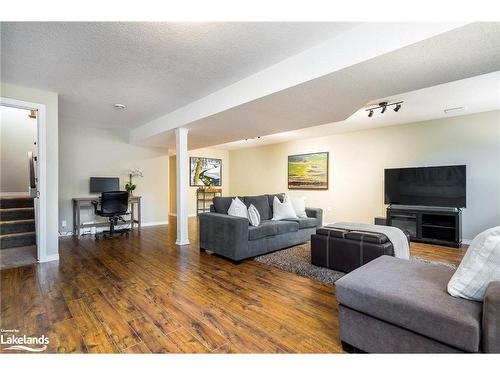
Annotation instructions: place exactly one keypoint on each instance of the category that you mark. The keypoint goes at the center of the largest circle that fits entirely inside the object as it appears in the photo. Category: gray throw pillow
(261, 203)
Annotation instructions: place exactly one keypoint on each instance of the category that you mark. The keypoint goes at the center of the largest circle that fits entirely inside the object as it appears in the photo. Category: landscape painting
(205, 171)
(308, 171)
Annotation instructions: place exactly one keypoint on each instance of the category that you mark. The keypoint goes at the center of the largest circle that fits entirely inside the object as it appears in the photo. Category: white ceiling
(153, 68)
(156, 68)
(476, 94)
(458, 54)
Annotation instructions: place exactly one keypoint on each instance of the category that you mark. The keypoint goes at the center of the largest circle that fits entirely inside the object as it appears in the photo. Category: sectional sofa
(395, 305)
(234, 238)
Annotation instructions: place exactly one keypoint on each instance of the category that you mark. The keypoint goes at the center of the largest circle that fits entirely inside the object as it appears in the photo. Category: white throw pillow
(299, 206)
(480, 266)
(253, 216)
(283, 210)
(238, 208)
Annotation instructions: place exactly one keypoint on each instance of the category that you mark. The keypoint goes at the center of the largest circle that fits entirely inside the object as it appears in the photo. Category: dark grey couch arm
(317, 213)
(226, 235)
(491, 318)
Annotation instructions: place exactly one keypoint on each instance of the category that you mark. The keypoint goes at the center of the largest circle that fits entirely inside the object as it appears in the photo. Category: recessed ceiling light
(119, 106)
(454, 109)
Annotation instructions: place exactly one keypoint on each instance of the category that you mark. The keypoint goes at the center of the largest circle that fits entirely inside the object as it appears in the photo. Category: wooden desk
(79, 203)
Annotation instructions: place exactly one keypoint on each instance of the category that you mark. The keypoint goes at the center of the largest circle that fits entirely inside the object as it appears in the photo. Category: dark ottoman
(345, 250)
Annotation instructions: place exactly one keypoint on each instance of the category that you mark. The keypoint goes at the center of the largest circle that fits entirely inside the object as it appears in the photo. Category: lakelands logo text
(21, 342)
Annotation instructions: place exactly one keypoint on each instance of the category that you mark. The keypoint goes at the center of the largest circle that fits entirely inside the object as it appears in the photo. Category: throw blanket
(395, 235)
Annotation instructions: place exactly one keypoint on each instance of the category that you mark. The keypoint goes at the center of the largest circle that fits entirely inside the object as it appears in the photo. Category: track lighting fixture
(383, 106)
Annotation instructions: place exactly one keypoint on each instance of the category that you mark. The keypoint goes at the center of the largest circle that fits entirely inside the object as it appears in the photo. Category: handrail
(31, 163)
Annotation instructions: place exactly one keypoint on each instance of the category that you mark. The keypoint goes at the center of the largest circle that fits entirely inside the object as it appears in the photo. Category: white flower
(135, 172)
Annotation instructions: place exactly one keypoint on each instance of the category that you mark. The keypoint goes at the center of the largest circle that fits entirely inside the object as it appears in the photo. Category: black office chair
(114, 204)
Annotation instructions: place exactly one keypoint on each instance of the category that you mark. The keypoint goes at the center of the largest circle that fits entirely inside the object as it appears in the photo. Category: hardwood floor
(143, 294)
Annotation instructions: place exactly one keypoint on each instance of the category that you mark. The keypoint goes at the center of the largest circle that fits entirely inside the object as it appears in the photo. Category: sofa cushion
(337, 233)
(479, 267)
(378, 238)
(222, 204)
(265, 229)
(285, 226)
(412, 295)
(299, 205)
(306, 222)
(270, 199)
(283, 210)
(253, 216)
(238, 209)
(261, 203)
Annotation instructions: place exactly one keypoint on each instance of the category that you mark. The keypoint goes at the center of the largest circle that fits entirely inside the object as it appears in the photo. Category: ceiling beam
(359, 44)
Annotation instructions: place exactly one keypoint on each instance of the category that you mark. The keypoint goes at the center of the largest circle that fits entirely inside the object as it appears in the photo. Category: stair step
(17, 240)
(16, 202)
(9, 214)
(17, 226)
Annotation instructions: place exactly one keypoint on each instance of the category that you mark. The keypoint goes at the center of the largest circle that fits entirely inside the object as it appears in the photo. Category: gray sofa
(393, 305)
(234, 238)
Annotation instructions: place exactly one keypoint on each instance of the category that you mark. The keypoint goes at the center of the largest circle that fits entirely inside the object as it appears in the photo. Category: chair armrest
(95, 203)
(316, 213)
(491, 318)
(224, 234)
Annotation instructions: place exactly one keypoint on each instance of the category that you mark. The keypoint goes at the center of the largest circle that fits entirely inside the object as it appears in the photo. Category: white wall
(358, 159)
(89, 151)
(206, 153)
(17, 137)
(50, 100)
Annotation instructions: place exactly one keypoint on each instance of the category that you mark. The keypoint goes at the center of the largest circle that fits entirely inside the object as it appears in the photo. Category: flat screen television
(100, 184)
(426, 186)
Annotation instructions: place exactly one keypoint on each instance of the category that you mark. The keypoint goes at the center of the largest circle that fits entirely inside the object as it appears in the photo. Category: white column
(182, 185)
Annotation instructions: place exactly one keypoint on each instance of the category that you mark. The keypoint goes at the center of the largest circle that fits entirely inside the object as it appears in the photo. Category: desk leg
(139, 220)
(132, 216)
(78, 219)
(74, 217)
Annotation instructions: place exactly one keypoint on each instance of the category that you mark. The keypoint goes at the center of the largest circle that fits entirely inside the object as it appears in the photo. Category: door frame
(41, 200)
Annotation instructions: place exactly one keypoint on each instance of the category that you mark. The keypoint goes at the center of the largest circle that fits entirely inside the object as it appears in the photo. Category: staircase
(17, 222)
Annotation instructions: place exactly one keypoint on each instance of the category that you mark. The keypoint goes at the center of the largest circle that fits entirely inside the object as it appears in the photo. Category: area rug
(297, 259)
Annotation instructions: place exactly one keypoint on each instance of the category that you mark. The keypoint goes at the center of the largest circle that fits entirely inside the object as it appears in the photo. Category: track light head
(398, 107)
(383, 105)
(370, 114)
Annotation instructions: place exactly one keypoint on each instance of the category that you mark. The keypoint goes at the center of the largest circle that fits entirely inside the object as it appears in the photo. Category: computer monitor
(100, 184)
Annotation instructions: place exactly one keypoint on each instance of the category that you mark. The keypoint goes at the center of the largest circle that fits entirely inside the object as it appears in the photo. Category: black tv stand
(434, 225)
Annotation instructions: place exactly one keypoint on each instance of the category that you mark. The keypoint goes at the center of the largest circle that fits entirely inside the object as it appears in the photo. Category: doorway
(22, 179)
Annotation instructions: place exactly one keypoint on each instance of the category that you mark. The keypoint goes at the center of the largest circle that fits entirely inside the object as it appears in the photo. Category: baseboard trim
(154, 223)
(189, 215)
(49, 258)
(148, 224)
